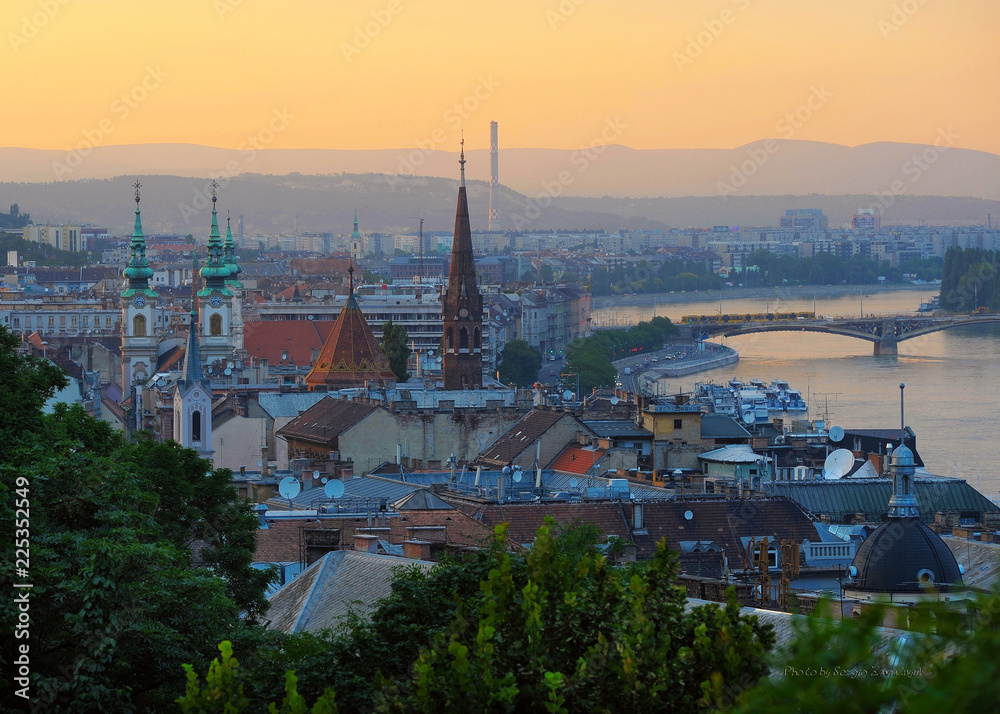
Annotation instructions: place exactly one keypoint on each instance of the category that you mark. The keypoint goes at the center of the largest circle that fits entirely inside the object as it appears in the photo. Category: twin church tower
(217, 329)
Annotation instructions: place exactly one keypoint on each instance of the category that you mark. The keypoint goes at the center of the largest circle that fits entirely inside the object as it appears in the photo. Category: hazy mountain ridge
(279, 204)
(764, 168)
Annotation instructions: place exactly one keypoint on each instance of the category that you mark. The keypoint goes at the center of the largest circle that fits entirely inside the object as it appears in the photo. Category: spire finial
(137, 187)
(902, 420)
(350, 278)
(215, 193)
(461, 158)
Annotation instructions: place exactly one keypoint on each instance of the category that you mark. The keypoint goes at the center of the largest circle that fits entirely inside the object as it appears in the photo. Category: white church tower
(193, 400)
(215, 299)
(139, 339)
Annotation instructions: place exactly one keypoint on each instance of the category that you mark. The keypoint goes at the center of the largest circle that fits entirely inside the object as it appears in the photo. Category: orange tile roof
(272, 339)
(351, 355)
(576, 459)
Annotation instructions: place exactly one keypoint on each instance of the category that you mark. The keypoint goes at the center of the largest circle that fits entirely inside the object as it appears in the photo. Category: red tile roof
(525, 432)
(576, 459)
(351, 355)
(526, 518)
(273, 339)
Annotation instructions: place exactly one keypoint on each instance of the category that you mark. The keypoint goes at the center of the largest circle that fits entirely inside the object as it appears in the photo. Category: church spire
(138, 271)
(463, 305)
(229, 255)
(215, 271)
(192, 356)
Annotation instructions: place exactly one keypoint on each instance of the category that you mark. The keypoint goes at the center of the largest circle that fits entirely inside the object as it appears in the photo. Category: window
(196, 425)
(463, 339)
(215, 324)
(678, 423)
(451, 338)
(477, 336)
(139, 326)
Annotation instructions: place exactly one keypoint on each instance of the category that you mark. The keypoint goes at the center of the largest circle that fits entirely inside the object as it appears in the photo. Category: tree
(118, 601)
(395, 344)
(520, 363)
(947, 660)
(545, 274)
(559, 629)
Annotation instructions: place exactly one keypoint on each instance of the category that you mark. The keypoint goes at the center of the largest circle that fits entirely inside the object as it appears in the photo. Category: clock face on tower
(216, 301)
(463, 312)
(139, 300)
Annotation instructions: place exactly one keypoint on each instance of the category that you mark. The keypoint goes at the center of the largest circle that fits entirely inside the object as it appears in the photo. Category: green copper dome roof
(138, 271)
(215, 271)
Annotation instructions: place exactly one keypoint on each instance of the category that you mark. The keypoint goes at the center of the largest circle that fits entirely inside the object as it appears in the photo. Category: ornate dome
(905, 556)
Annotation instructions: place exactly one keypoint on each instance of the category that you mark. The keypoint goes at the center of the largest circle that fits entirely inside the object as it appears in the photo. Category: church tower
(357, 247)
(193, 400)
(234, 284)
(138, 304)
(215, 299)
(463, 306)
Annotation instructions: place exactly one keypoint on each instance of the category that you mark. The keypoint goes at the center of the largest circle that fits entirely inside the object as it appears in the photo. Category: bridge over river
(886, 331)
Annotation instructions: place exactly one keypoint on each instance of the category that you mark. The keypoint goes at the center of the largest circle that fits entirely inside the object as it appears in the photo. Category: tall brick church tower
(463, 305)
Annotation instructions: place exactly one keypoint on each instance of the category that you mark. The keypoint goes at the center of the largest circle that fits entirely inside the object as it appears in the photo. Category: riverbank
(778, 293)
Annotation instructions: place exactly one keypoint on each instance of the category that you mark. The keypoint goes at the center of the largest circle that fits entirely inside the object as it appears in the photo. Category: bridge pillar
(887, 343)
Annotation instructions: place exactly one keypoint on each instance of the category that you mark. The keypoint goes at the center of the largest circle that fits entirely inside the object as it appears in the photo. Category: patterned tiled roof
(519, 437)
(351, 355)
(576, 459)
(285, 341)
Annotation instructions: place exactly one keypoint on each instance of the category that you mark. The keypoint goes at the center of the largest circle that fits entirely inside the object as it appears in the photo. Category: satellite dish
(573, 483)
(334, 489)
(289, 487)
(517, 477)
(259, 463)
(228, 371)
(567, 395)
(324, 479)
(837, 464)
(230, 365)
(614, 401)
(836, 434)
(748, 417)
(315, 475)
(688, 515)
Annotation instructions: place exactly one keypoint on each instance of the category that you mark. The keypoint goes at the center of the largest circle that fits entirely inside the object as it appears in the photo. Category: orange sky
(552, 72)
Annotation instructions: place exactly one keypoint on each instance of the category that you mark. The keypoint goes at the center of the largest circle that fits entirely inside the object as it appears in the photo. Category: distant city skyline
(396, 74)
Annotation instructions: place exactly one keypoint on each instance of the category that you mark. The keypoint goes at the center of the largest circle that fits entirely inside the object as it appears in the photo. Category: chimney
(366, 543)
(417, 549)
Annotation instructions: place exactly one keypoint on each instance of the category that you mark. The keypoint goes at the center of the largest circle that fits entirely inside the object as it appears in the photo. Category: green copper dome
(138, 271)
(229, 256)
(215, 271)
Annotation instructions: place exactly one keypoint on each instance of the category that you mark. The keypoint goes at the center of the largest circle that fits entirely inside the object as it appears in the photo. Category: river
(952, 377)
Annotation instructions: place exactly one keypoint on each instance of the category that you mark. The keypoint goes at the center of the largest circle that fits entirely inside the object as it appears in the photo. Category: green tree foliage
(592, 357)
(557, 630)
(395, 344)
(14, 219)
(118, 602)
(947, 660)
(520, 363)
(546, 275)
(970, 279)
(676, 275)
(42, 254)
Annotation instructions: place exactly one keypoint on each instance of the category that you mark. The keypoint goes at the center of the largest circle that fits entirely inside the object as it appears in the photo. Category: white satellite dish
(573, 483)
(517, 477)
(837, 464)
(614, 401)
(324, 479)
(748, 417)
(315, 475)
(688, 515)
(230, 365)
(567, 395)
(228, 371)
(334, 489)
(289, 487)
(836, 434)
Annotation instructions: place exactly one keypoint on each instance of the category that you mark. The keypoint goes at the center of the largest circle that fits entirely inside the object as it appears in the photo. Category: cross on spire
(461, 158)
(215, 187)
(137, 187)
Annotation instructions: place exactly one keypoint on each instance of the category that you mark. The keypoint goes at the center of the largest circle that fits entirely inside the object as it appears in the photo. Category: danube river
(952, 377)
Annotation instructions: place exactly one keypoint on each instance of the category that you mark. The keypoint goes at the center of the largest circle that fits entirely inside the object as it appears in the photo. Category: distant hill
(770, 168)
(277, 204)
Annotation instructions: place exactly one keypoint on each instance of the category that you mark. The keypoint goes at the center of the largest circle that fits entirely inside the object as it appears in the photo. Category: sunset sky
(672, 73)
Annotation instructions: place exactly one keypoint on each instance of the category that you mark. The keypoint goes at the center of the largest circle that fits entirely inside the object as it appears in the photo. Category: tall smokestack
(494, 219)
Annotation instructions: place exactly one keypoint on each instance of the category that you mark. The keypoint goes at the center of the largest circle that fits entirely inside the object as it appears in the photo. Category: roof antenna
(902, 420)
